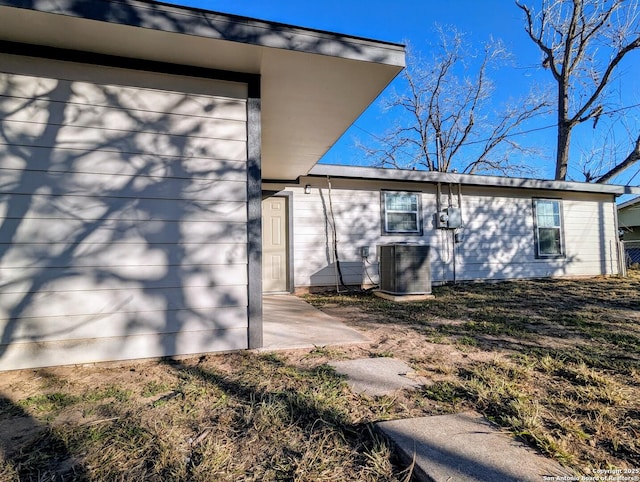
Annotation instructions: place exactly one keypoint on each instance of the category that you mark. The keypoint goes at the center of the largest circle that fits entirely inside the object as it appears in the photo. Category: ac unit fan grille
(405, 269)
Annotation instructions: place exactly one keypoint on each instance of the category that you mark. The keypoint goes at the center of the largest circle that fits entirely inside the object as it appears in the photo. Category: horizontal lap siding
(629, 221)
(357, 223)
(591, 237)
(498, 237)
(356, 208)
(122, 214)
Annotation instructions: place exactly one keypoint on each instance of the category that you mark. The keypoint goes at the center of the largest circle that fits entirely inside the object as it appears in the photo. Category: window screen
(401, 212)
(548, 228)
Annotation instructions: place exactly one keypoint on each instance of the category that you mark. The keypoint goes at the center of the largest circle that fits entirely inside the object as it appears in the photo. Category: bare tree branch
(632, 158)
(448, 119)
(537, 39)
(582, 42)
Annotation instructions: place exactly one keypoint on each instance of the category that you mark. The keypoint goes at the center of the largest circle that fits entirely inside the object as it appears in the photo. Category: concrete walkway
(463, 447)
(378, 376)
(289, 323)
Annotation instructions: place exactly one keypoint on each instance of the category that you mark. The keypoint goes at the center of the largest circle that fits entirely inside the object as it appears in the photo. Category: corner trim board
(254, 219)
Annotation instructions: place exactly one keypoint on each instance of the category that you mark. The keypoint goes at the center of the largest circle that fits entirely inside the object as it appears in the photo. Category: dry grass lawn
(556, 362)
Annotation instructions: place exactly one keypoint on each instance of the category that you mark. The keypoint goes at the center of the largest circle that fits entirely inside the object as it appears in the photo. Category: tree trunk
(564, 131)
(562, 157)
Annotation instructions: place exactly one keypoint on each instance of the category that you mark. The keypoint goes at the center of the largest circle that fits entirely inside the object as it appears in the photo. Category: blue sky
(412, 21)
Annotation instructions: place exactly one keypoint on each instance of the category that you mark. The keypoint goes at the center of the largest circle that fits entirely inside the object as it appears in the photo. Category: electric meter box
(450, 218)
(454, 218)
(441, 219)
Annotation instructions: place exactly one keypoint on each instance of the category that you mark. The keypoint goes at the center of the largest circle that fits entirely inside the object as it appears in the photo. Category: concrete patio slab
(290, 323)
(377, 376)
(465, 447)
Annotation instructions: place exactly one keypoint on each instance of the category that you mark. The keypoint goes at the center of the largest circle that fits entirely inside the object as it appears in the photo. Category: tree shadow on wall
(497, 241)
(105, 214)
(123, 217)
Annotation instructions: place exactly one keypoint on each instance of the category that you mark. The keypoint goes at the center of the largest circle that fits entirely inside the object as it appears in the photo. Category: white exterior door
(275, 246)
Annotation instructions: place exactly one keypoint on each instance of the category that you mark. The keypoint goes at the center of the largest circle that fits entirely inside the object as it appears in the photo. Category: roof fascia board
(371, 173)
(219, 26)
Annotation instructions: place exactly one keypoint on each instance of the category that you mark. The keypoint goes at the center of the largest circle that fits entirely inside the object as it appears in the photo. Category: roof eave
(314, 84)
(630, 202)
(191, 21)
(370, 173)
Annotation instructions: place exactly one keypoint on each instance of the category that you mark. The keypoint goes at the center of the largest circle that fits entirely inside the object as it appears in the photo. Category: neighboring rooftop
(631, 202)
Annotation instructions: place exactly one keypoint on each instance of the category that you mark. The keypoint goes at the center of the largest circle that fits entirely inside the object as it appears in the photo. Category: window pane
(548, 213)
(399, 222)
(401, 202)
(547, 221)
(548, 225)
(401, 212)
(549, 241)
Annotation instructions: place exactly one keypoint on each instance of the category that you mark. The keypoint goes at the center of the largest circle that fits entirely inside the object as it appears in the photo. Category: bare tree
(448, 120)
(582, 43)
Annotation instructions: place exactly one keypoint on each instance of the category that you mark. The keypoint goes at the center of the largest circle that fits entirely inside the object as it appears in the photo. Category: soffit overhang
(314, 84)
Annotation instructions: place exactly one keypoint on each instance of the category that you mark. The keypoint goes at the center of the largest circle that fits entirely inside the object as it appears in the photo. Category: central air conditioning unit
(405, 269)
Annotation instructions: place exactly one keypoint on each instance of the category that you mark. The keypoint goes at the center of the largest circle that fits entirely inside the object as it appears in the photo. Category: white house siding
(123, 214)
(498, 236)
(629, 220)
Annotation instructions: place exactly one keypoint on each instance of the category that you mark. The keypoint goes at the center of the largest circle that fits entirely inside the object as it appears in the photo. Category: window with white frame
(549, 237)
(401, 212)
